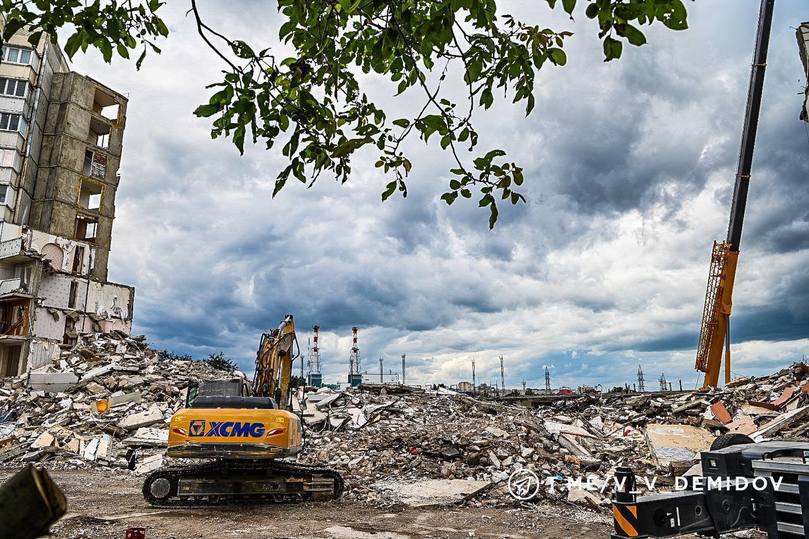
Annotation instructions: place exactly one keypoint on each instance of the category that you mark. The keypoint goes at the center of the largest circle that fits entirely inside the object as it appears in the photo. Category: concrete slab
(143, 419)
(52, 382)
(676, 445)
(431, 492)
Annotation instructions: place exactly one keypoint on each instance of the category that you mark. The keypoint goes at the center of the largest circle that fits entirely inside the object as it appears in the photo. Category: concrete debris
(51, 414)
(414, 435)
(429, 492)
(142, 419)
(676, 446)
(463, 448)
(149, 464)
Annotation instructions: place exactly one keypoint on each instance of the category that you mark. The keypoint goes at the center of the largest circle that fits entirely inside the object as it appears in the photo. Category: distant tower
(547, 380)
(381, 371)
(473, 375)
(403, 369)
(523, 385)
(502, 377)
(304, 360)
(315, 378)
(664, 385)
(641, 389)
(354, 376)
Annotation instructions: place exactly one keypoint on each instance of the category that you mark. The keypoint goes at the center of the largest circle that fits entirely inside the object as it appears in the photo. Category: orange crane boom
(715, 331)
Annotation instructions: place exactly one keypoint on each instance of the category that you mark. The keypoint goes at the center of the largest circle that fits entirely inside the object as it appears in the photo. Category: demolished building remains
(61, 138)
(110, 397)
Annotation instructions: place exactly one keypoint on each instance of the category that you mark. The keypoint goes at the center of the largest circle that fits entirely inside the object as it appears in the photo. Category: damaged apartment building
(60, 149)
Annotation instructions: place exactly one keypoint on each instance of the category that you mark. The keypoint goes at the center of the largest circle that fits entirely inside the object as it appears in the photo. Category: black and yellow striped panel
(626, 520)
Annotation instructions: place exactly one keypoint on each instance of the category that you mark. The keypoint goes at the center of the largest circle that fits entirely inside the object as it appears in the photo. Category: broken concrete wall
(49, 324)
(111, 300)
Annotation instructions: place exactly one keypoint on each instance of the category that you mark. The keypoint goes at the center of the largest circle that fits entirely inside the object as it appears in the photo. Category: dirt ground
(102, 504)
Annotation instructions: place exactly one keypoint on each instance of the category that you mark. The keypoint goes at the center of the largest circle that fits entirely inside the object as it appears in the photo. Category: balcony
(10, 285)
(12, 251)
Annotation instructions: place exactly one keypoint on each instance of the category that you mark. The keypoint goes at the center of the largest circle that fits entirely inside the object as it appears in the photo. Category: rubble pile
(106, 397)
(373, 436)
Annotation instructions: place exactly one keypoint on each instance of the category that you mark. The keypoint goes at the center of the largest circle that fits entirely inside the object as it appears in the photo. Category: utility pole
(403, 369)
(502, 377)
(547, 380)
(381, 372)
(641, 389)
(473, 375)
(523, 385)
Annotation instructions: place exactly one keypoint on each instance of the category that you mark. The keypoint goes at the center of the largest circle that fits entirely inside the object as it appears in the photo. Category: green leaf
(493, 215)
(557, 56)
(592, 11)
(612, 49)
(389, 190)
(634, 36)
(518, 177)
(486, 98)
(569, 6)
(73, 43)
(204, 111)
(404, 123)
(347, 147)
(454, 184)
(238, 138)
(242, 49)
(12, 26)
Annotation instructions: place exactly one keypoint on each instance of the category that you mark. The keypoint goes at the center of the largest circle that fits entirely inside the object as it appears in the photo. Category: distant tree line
(217, 361)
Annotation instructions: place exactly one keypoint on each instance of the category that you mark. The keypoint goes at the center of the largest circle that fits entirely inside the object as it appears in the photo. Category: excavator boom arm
(274, 363)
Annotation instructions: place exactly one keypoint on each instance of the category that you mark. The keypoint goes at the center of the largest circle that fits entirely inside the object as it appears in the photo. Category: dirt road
(102, 504)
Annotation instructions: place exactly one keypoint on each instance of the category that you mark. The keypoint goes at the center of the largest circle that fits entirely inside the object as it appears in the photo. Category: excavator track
(223, 482)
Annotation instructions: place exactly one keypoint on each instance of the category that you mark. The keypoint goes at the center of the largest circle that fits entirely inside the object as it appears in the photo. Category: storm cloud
(629, 172)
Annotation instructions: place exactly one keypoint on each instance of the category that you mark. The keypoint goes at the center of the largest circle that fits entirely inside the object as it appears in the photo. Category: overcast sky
(629, 171)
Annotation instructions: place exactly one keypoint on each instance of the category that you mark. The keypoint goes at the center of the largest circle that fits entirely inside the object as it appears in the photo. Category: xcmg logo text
(227, 429)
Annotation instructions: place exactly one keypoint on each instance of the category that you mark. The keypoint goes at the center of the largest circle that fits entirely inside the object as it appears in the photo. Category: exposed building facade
(61, 137)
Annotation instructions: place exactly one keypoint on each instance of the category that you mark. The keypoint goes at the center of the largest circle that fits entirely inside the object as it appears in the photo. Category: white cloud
(629, 166)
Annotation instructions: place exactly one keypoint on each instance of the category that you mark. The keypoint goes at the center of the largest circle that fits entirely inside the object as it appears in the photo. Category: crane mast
(715, 330)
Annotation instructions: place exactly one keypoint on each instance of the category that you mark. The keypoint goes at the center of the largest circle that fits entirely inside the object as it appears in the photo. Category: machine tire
(731, 438)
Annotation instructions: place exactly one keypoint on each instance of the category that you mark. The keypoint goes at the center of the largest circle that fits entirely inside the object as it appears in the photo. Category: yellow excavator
(241, 431)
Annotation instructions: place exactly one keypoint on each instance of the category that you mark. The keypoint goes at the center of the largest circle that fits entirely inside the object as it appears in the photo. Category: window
(13, 87)
(99, 133)
(3, 191)
(95, 164)
(8, 157)
(71, 299)
(23, 272)
(10, 121)
(16, 55)
(86, 229)
(90, 194)
(78, 259)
